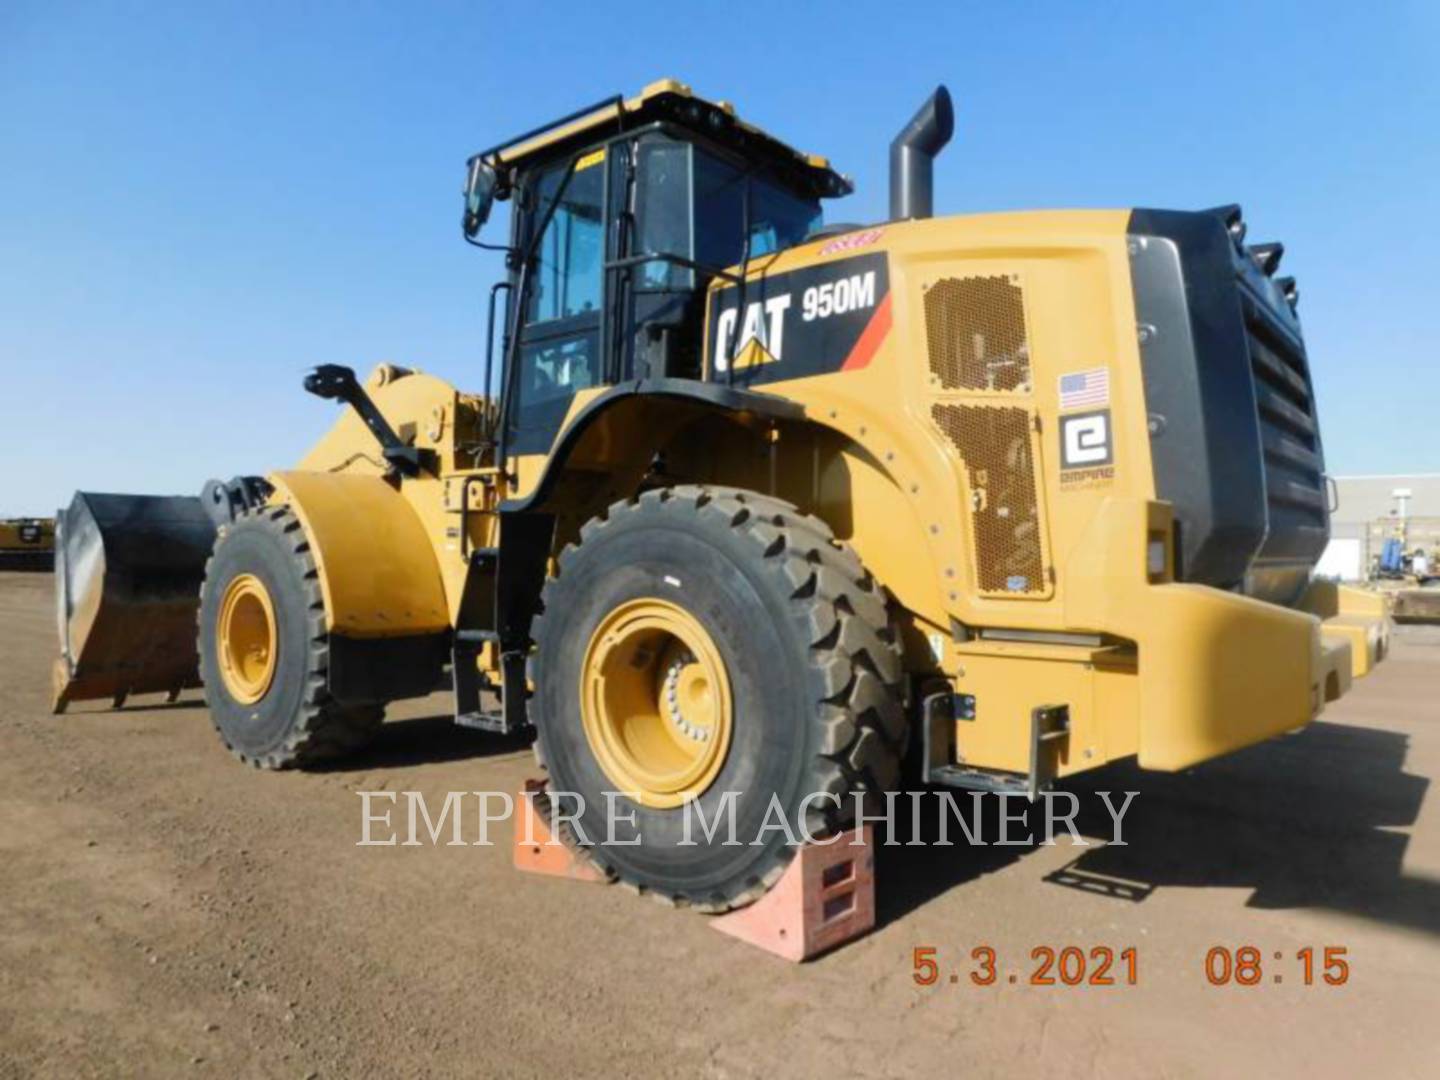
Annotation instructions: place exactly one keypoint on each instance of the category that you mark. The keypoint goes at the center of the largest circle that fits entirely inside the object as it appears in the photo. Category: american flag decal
(1084, 389)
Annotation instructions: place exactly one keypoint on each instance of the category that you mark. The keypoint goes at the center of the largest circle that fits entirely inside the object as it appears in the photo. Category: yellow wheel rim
(655, 703)
(246, 638)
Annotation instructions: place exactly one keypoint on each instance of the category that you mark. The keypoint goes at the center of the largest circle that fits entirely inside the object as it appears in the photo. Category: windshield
(778, 218)
(683, 189)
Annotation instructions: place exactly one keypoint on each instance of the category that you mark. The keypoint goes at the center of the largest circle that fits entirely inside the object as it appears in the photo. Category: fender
(706, 396)
(870, 509)
(377, 566)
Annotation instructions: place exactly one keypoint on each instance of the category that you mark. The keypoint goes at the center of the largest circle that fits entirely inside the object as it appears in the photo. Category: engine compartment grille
(975, 332)
(997, 445)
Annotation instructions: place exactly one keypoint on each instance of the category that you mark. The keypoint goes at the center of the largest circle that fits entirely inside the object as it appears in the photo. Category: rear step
(1049, 724)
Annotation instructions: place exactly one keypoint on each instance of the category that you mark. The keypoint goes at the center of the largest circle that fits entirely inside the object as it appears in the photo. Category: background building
(1374, 508)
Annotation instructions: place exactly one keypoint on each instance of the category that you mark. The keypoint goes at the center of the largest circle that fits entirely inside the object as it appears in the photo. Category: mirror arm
(335, 382)
(505, 249)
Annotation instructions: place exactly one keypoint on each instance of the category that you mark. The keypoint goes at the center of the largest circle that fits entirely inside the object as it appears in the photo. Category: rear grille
(1234, 439)
(1289, 434)
(997, 446)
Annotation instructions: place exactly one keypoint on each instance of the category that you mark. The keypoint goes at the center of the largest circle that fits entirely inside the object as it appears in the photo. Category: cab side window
(559, 350)
(662, 211)
(571, 256)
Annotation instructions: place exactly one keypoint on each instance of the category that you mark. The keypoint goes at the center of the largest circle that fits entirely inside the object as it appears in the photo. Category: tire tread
(855, 663)
(323, 729)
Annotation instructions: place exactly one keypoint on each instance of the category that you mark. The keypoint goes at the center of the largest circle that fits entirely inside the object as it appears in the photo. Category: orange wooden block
(825, 898)
(539, 851)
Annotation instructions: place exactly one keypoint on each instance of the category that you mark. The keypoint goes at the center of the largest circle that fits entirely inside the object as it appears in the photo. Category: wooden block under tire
(537, 850)
(825, 898)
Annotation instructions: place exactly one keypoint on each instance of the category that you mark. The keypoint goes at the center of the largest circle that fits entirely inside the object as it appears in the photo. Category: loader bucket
(127, 587)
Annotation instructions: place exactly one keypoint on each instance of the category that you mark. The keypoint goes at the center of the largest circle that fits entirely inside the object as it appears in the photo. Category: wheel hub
(689, 702)
(246, 639)
(655, 702)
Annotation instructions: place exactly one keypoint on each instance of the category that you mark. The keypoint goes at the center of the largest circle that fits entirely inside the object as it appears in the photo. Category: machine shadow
(138, 705)
(425, 740)
(1304, 822)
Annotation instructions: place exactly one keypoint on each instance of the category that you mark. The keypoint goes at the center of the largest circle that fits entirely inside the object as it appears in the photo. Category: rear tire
(281, 715)
(813, 666)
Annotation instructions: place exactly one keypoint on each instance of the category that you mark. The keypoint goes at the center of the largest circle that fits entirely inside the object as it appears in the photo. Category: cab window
(778, 218)
(571, 255)
(559, 351)
(690, 202)
(662, 210)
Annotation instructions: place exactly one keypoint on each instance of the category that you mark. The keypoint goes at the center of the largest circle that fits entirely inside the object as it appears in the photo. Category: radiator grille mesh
(997, 446)
(975, 330)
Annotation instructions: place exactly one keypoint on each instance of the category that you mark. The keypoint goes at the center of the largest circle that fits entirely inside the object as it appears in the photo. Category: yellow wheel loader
(27, 544)
(757, 508)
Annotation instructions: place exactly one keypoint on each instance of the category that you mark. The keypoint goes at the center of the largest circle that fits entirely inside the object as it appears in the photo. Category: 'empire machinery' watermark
(914, 813)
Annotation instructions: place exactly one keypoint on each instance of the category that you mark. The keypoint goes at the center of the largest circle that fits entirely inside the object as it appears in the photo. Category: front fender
(378, 572)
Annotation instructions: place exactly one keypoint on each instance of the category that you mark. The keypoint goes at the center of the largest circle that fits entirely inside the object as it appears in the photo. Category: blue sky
(199, 202)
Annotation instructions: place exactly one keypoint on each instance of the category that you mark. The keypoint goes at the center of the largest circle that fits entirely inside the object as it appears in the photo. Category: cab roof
(672, 101)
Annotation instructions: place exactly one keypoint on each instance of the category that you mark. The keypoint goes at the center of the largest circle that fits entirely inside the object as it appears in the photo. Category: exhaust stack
(912, 157)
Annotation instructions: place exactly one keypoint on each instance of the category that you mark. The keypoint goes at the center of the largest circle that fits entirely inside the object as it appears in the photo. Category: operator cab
(623, 213)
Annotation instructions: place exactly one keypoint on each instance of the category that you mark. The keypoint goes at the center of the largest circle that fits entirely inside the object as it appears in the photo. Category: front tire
(750, 611)
(264, 648)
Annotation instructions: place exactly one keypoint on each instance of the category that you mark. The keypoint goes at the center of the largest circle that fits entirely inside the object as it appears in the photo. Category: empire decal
(812, 321)
(1087, 454)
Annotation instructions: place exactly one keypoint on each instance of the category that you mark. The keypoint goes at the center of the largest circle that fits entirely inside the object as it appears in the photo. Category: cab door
(559, 345)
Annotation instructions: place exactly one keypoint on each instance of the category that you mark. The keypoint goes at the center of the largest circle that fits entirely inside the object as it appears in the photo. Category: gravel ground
(165, 911)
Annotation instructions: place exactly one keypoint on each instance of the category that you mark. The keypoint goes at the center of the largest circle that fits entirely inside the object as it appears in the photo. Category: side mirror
(479, 196)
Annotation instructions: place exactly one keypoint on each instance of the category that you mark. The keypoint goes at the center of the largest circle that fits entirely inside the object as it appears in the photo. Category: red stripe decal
(869, 343)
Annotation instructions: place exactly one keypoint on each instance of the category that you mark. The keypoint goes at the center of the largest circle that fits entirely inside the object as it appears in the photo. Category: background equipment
(27, 544)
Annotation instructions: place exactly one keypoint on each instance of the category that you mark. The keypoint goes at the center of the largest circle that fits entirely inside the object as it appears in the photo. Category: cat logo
(816, 320)
(761, 339)
(752, 354)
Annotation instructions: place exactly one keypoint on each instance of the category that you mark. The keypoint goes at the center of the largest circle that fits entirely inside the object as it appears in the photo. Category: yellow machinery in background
(27, 544)
(752, 504)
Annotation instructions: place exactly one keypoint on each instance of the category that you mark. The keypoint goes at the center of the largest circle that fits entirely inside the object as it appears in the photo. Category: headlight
(1156, 557)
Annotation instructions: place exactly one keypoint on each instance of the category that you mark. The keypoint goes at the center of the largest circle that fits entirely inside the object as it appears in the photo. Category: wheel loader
(751, 503)
(27, 544)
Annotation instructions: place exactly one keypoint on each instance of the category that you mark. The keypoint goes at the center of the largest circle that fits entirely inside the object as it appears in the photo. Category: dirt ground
(164, 910)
